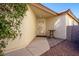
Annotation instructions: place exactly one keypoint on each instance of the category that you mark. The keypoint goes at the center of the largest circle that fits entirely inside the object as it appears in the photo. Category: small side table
(51, 33)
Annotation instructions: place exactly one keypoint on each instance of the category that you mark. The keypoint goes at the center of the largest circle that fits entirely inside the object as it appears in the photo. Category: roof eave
(44, 8)
(38, 5)
(69, 12)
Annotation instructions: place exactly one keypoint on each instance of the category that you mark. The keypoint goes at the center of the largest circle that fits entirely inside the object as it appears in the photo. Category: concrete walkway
(37, 47)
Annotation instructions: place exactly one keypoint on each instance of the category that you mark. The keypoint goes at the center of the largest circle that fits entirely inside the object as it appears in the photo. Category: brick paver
(65, 48)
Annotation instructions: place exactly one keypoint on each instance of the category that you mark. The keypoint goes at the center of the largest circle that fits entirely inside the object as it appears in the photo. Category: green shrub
(11, 16)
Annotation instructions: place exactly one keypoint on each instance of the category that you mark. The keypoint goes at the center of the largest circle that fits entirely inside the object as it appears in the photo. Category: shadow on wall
(73, 35)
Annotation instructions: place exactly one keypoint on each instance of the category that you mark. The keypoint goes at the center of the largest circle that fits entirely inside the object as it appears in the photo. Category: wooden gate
(73, 33)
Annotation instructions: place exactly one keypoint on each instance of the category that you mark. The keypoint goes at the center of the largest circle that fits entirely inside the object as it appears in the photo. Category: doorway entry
(41, 27)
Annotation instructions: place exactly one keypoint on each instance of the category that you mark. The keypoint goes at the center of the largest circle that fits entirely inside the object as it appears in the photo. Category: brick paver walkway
(53, 41)
(65, 48)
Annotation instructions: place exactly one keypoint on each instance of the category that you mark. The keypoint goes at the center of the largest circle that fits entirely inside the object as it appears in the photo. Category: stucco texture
(28, 30)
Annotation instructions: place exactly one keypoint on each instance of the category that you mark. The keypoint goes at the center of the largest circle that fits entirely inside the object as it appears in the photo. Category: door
(41, 27)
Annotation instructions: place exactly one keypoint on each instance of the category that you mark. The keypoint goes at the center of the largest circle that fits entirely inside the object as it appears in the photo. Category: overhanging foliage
(11, 15)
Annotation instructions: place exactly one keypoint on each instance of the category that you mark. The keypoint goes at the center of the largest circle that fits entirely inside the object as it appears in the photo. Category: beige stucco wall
(60, 26)
(61, 23)
(70, 21)
(75, 23)
(28, 30)
(50, 24)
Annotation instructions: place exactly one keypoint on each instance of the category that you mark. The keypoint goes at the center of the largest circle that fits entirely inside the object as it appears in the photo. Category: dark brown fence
(73, 33)
(73, 36)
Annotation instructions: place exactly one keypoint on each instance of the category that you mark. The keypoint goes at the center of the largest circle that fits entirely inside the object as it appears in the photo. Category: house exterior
(38, 21)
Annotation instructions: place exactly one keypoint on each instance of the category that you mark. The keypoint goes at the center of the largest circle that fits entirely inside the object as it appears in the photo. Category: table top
(51, 30)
